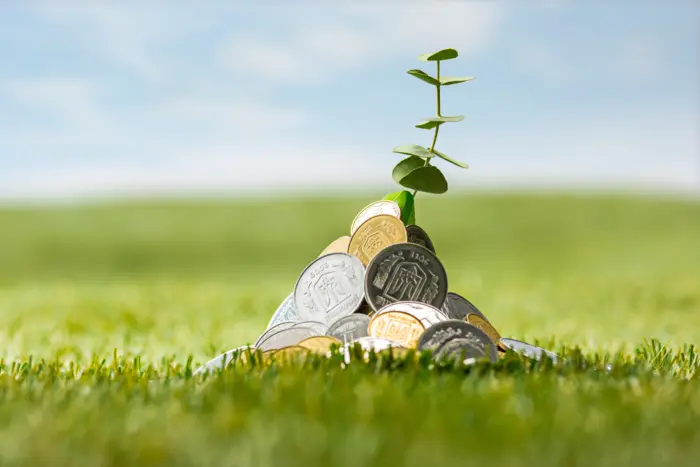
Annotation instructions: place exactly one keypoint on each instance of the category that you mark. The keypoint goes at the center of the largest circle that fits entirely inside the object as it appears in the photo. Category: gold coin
(375, 209)
(481, 323)
(376, 234)
(339, 245)
(320, 344)
(396, 326)
(285, 354)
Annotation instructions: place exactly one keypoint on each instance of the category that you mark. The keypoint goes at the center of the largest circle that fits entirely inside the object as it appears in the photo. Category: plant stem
(437, 128)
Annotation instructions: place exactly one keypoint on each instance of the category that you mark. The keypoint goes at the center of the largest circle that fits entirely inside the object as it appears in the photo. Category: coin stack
(381, 287)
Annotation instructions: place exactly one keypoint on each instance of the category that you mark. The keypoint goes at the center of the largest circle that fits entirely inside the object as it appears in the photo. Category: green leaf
(405, 201)
(428, 179)
(413, 150)
(444, 54)
(405, 167)
(428, 125)
(456, 118)
(450, 80)
(422, 75)
(444, 156)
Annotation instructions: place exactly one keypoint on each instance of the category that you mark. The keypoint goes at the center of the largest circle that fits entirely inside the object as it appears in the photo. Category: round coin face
(405, 272)
(320, 344)
(419, 237)
(458, 307)
(439, 334)
(339, 245)
(286, 338)
(529, 350)
(460, 350)
(396, 326)
(220, 362)
(428, 315)
(329, 288)
(378, 208)
(481, 323)
(319, 328)
(273, 330)
(285, 312)
(374, 235)
(349, 328)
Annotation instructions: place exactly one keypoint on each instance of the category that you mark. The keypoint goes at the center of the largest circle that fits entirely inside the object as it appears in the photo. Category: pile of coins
(381, 287)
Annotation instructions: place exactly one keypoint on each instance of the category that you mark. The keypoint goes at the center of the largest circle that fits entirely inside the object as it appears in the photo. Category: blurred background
(167, 170)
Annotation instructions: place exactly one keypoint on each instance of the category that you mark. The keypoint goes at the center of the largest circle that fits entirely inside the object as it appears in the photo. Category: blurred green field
(161, 282)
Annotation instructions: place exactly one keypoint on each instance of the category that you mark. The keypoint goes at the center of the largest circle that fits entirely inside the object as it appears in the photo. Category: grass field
(163, 284)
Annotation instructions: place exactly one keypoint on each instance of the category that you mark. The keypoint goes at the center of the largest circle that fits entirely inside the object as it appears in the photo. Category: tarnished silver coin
(460, 350)
(428, 315)
(439, 334)
(529, 350)
(329, 288)
(285, 312)
(273, 330)
(220, 362)
(405, 272)
(286, 338)
(349, 328)
(419, 237)
(458, 307)
(320, 328)
(378, 208)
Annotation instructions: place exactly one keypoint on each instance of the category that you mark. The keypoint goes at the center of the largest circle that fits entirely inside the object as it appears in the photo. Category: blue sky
(233, 97)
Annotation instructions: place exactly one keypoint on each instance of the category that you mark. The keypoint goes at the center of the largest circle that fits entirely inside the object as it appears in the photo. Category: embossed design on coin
(374, 235)
(273, 330)
(285, 338)
(458, 307)
(319, 328)
(219, 363)
(329, 288)
(396, 326)
(427, 314)
(529, 350)
(459, 350)
(339, 245)
(419, 237)
(405, 272)
(349, 328)
(439, 334)
(481, 323)
(285, 312)
(378, 208)
(320, 344)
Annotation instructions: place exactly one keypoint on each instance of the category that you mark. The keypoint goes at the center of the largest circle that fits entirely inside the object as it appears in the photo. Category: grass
(170, 285)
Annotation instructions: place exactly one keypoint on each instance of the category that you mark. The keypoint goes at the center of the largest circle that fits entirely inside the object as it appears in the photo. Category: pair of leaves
(443, 81)
(406, 202)
(414, 174)
(423, 153)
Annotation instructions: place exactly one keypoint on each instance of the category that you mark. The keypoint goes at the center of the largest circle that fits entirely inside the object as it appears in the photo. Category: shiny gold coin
(376, 234)
(339, 245)
(396, 326)
(320, 344)
(375, 209)
(481, 323)
(285, 354)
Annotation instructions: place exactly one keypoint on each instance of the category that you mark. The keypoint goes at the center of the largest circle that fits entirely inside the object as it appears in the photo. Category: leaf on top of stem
(450, 80)
(444, 54)
(426, 125)
(423, 76)
(456, 118)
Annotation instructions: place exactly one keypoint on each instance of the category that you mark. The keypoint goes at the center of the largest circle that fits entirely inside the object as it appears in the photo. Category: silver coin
(529, 350)
(329, 288)
(273, 330)
(428, 315)
(285, 312)
(285, 338)
(459, 349)
(437, 335)
(405, 272)
(368, 344)
(220, 362)
(458, 307)
(349, 328)
(419, 237)
(320, 328)
(378, 208)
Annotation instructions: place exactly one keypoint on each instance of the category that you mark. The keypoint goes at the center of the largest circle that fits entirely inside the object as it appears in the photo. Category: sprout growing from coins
(416, 171)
